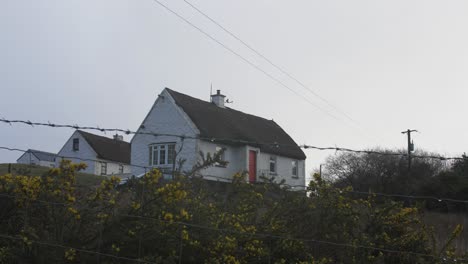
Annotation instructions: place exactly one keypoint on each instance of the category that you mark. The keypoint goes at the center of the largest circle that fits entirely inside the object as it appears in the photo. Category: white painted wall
(165, 117)
(234, 155)
(112, 167)
(29, 158)
(238, 158)
(283, 169)
(85, 152)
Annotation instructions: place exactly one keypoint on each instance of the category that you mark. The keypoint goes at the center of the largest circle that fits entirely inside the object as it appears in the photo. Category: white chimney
(118, 137)
(218, 99)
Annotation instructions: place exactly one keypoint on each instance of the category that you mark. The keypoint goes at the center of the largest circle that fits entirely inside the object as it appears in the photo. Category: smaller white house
(103, 155)
(37, 157)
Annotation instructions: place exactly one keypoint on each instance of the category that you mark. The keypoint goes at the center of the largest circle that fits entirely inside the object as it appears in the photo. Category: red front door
(252, 166)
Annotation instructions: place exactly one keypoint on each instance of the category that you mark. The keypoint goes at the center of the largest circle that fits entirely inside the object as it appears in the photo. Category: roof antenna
(211, 90)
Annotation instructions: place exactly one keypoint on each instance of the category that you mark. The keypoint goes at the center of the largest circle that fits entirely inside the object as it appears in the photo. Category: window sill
(273, 174)
(164, 169)
(220, 166)
(162, 166)
(295, 177)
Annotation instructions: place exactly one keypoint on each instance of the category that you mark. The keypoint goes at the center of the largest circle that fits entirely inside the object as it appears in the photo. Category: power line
(245, 60)
(282, 70)
(223, 140)
(260, 69)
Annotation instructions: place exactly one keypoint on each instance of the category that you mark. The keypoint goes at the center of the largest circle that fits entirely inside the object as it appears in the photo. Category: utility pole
(410, 145)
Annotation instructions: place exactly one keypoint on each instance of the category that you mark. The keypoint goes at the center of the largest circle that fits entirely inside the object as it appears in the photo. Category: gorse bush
(48, 219)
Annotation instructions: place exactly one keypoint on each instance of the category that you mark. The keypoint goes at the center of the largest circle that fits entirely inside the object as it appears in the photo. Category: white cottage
(103, 155)
(37, 157)
(209, 127)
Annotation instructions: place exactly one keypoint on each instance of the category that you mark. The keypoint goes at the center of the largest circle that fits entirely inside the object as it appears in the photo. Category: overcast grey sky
(390, 65)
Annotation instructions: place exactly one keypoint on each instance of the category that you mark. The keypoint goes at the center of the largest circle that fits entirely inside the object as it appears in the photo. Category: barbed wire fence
(98, 252)
(221, 140)
(296, 187)
(264, 235)
(181, 224)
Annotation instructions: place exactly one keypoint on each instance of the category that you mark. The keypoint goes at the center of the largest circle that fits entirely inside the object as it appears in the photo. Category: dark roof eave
(107, 148)
(234, 126)
(240, 143)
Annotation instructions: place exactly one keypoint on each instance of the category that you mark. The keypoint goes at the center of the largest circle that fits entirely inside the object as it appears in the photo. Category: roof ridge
(108, 148)
(210, 103)
(231, 125)
(41, 151)
(102, 137)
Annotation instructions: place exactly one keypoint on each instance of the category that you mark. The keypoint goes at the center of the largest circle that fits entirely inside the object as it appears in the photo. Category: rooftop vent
(118, 137)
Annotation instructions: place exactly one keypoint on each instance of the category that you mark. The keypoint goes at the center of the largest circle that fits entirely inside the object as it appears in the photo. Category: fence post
(181, 244)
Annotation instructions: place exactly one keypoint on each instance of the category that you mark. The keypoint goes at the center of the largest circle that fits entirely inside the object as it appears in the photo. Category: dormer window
(76, 144)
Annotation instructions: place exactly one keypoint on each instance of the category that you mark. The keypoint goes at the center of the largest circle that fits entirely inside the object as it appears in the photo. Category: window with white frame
(222, 157)
(161, 154)
(294, 171)
(272, 164)
(103, 168)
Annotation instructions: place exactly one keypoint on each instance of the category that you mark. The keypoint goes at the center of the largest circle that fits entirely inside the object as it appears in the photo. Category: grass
(25, 169)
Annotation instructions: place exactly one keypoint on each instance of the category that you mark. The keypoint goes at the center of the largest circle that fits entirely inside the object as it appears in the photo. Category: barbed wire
(414, 197)
(297, 187)
(442, 158)
(226, 230)
(223, 140)
(276, 236)
(306, 188)
(5, 236)
(74, 158)
(307, 240)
